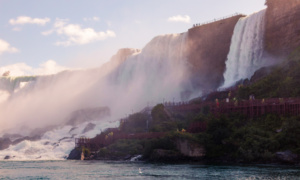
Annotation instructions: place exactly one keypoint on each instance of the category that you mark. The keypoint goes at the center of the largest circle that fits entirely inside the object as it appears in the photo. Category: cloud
(49, 67)
(92, 19)
(6, 47)
(22, 69)
(180, 18)
(76, 35)
(28, 20)
(46, 33)
(16, 29)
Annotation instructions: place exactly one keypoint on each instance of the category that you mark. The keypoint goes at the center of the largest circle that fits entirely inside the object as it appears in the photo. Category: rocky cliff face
(282, 35)
(190, 149)
(208, 49)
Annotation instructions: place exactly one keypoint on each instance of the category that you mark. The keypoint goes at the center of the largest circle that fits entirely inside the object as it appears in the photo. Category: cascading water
(157, 72)
(246, 50)
(152, 75)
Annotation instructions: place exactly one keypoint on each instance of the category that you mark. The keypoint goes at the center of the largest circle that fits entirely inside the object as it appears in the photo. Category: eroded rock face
(287, 157)
(86, 115)
(190, 149)
(75, 154)
(4, 143)
(89, 127)
(27, 138)
(282, 33)
(165, 155)
(208, 47)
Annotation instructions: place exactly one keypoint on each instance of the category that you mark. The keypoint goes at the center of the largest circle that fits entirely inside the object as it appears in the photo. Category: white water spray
(246, 50)
(152, 75)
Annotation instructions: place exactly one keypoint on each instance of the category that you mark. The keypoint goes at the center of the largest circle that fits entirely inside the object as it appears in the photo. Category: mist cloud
(146, 77)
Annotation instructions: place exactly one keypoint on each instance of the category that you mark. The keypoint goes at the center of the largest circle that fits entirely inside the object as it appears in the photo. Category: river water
(139, 170)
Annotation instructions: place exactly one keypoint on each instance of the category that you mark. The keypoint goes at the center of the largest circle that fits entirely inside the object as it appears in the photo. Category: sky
(40, 34)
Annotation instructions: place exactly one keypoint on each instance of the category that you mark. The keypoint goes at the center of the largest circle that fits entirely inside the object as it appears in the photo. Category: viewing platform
(251, 108)
(218, 19)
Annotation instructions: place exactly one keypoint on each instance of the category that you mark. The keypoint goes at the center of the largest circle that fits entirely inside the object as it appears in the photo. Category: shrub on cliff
(122, 148)
(283, 81)
(135, 123)
(290, 135)
(161, 121)
(165, 143)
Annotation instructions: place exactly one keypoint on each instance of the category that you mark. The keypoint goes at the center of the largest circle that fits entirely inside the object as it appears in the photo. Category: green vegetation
(283, 81)
(13, 82)
(136, 123)
(121, 148)
(230, 137)
(161, 121)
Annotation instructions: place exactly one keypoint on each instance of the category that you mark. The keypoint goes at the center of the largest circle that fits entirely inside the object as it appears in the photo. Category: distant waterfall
(246, 50)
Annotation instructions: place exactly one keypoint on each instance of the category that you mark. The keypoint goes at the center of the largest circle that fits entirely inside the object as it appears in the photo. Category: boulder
(190, 149)
(12, 137)
(7, 157)
(33, 138)
(89, 127)
(287, 157)
(5, 143)
(75, 154)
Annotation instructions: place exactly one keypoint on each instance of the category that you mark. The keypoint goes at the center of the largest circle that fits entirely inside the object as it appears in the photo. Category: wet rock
(89, 127)
(86, 115)
(287, 157)
(5, 143)
(72, 129)
(66, 139)
(46, 143)
(12, 137)
(55, 144)
(162, 155)
(190, 149)
(33, 138)
(136, 158)
(7, 157)
(75, 154)
(127, 157)
(41, 131)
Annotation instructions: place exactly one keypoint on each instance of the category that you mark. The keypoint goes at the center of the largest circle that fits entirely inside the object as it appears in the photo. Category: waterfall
(157, 72)
(246, 50)
(154, 74)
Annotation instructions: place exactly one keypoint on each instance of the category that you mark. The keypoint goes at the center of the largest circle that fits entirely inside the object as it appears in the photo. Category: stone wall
(209, 46)
(282, 35)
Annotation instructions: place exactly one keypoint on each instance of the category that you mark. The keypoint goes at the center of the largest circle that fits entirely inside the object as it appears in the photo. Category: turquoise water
(131, 170)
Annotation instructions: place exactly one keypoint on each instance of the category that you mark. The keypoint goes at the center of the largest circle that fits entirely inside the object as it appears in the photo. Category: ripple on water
(138, 170)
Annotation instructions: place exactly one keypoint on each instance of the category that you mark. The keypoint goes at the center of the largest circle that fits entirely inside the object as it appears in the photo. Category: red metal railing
(104, 140)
